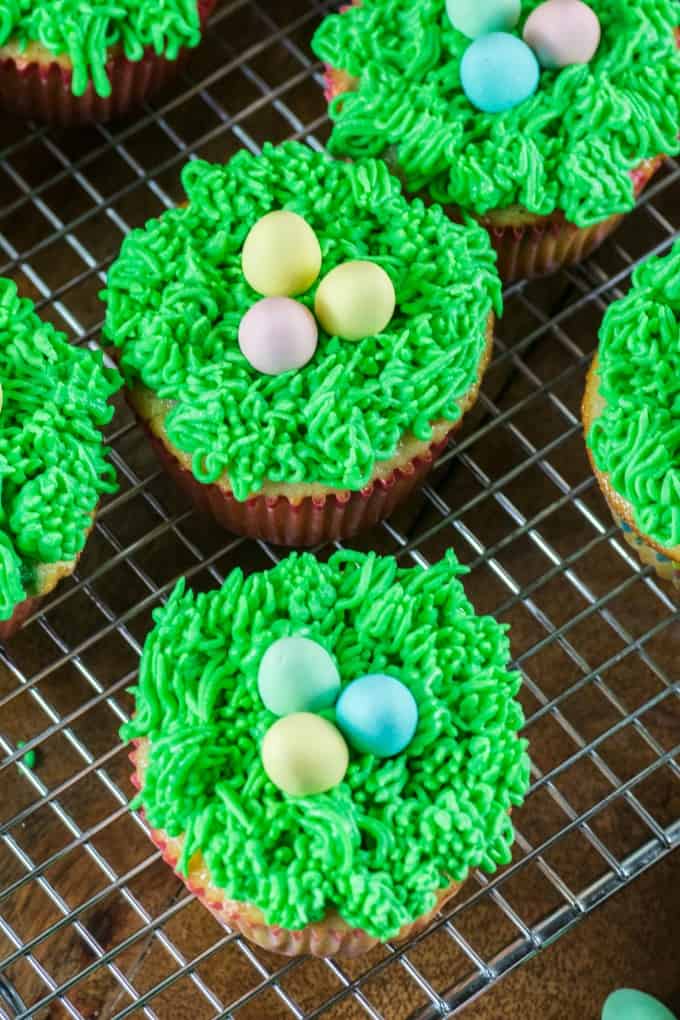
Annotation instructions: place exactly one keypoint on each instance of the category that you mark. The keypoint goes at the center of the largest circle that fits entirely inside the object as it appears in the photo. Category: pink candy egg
(563, 32)
(278, 335)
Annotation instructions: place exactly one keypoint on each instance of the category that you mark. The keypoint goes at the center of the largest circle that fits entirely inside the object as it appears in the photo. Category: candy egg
(563, 32)
(277, 335)
(479, 17)
(629, 1004)
(498, 71)
(304, 754)
(378, 714)
(297, 675)
(281, 256)
(355, 300)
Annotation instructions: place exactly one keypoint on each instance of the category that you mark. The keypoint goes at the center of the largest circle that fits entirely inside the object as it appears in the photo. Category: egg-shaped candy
(281, 255)
(498, 71)
(378, 715)
(297, 675)
(355, 300)
(563, 32)
(277, 335)
(304, 754)
(479, 17)
(629, 1004)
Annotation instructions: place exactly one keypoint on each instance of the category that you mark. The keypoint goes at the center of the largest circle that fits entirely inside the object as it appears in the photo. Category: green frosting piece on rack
(176, 296)
(636, 438)
(571, 146)
(52, 457)
(377, 847)
(86, 32)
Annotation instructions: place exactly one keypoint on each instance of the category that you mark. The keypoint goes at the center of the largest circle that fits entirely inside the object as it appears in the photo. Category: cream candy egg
(563, 32)
(479, 17)
(278, 335)
(355, 300)
(281, 255)
(304, 754)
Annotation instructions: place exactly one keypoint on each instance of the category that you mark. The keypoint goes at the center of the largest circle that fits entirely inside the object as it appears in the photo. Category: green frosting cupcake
(377, 847)
(177, 294)
(86, 32)
(52, 458)
(635, 439)
(571, 146)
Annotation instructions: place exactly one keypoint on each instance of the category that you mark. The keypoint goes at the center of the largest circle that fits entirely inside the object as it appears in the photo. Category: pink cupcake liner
(42, 91)
(21, 613)
(329, 937)
(312, 520)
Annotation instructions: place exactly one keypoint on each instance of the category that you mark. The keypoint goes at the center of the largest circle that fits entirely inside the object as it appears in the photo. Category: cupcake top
(571, 146)
(52, 458)
(87, 32)
(177, 295)
(377, 846)
(635, 439)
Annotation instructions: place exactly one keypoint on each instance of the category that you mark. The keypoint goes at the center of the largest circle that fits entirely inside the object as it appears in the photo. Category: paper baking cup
(42, 91)
(21, 613)
(664, 566)
(330, 937)
(311, 521)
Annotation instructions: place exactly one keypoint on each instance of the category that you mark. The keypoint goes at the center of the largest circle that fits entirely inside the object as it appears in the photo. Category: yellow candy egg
(355, 300)
(304, 754)
(281, 256)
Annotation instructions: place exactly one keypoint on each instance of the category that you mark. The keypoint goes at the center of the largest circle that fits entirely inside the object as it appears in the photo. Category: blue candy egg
(479, 17)
(377, 714)
(297, 675)
(629, 1004)
(498, 71)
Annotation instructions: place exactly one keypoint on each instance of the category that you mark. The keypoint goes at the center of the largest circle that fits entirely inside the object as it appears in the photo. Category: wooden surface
(594, 666)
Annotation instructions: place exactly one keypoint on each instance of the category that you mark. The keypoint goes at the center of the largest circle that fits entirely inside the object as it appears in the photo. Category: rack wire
(92, 923)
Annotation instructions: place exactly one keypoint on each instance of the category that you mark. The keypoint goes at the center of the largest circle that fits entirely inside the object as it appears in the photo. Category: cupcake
(52, 459)
(631, 413)
(323, 751)
(72, 63)
(306, 415)
(549, 150)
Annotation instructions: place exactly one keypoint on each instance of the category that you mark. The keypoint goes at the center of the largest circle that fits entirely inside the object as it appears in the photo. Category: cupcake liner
(329, 937)
(21, 613)
(313, 519)
(664, 566)
(42, 91)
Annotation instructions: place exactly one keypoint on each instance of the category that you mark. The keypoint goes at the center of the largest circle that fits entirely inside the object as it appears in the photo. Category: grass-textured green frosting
(636, 439)
(378, 846)
(52, 457)
(571, 146)
(86, 32)
(176, 296)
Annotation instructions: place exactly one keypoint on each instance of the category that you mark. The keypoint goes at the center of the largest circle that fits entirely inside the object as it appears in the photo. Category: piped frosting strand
(378, 846)
(571, 146)
(52, 457)
(636, 438)
(177, 294)
(86, 32)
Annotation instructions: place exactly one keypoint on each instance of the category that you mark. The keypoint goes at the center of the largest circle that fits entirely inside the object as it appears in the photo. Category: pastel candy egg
(378, 714)
(297, 675)
(355, 300)
(479, 17)
(304, 754)
(277, 335)
(498, 71)
(563, 32)
(629, 1004)
(281, 256)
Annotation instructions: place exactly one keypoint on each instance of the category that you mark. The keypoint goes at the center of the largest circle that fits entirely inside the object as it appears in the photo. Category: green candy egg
(304, 754)
(629, 1004)
(281, 255)
(297, 675)
(355, 300)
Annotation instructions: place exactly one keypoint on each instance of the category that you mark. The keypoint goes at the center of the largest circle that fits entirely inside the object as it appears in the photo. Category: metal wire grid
(91, 922)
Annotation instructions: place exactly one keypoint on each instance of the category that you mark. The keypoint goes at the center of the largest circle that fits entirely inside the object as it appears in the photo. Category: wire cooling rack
(92, 923)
